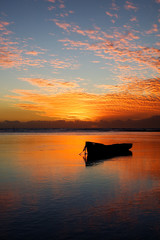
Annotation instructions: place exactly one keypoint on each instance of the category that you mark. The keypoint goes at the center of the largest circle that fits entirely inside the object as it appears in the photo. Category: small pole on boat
(84, 150)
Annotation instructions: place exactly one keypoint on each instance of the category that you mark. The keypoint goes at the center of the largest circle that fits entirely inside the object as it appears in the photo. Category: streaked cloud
(120, 49)
(3, 24)
(41, 82)
(134, 98)
(153, 29)
(63, 64)
(63, 25)
(130, 6)
(114, 6)
(61, 5)
(33, 53)
(12, 52)
(112, 14)
(133, 19)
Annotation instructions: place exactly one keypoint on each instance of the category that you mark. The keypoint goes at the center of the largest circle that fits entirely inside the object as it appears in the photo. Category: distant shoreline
(54, 130)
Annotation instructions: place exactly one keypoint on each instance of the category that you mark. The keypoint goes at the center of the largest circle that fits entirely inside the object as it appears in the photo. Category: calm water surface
(48, 192)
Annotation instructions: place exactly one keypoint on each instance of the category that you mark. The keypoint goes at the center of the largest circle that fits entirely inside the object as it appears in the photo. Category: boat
(95, 151)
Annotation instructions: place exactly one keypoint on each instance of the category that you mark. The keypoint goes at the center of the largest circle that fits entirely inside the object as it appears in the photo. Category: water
(48, 192)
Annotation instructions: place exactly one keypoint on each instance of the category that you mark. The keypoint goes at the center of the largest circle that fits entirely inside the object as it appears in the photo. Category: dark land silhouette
(152, 123)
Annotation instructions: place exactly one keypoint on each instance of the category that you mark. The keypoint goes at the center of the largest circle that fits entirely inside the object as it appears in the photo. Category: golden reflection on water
(117, 190)
(52, 156)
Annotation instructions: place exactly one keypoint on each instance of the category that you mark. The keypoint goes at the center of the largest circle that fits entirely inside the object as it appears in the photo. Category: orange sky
(136, 100)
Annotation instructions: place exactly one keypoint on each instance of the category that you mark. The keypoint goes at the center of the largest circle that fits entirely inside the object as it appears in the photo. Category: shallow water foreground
(48, 192)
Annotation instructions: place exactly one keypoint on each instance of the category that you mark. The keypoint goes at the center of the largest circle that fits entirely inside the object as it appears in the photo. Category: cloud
(112, 15)
(153, 29)
(51, 8)
(40, 82)
(57, 85)
(10, 57)
(107, 87)
(91, 34)
(60, 9)
(138, 98)
(73, 44)
(120, 49)
(114, 6)
(61, 5)
(157, 1)
(33, 53)
(63, 25)
(16, 54)
(13, 53)
(130, 6)
(133, 19)
(148, 87)
(3, 24)
(95, 61)
(63, 64)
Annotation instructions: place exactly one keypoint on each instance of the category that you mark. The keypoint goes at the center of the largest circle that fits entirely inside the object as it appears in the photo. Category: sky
(81, 60)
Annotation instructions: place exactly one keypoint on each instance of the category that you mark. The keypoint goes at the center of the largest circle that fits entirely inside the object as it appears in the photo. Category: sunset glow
(79, 60)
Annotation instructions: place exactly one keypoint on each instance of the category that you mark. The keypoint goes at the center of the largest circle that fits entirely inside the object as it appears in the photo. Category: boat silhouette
(95, 152)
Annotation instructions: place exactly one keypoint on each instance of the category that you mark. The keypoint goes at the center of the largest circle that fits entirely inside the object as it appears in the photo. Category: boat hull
(101, 151)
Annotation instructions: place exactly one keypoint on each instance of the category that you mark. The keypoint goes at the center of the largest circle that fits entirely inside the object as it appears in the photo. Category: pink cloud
(61, 6)
(52, 1)
(153, 29)
(56, 83)
(157, 1)
(67, 42)
(133, 19)
(64, 14)
(33, 53)
(12, 55)
(122, 49)
(130, 36)
(130, 6)
(112, 15)
(62, 64)
(95, 61)
(65, 26)
(40, 82)
(114, 6)
(3, 24)
(51, 8)
(109, 14)
(92, 34)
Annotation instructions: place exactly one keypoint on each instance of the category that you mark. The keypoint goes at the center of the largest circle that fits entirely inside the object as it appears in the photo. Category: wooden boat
(95, 151)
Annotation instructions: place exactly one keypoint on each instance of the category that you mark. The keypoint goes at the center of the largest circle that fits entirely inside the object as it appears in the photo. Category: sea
(48, 190)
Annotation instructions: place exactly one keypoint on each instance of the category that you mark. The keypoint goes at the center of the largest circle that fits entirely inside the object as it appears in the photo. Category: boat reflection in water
(95, 153)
